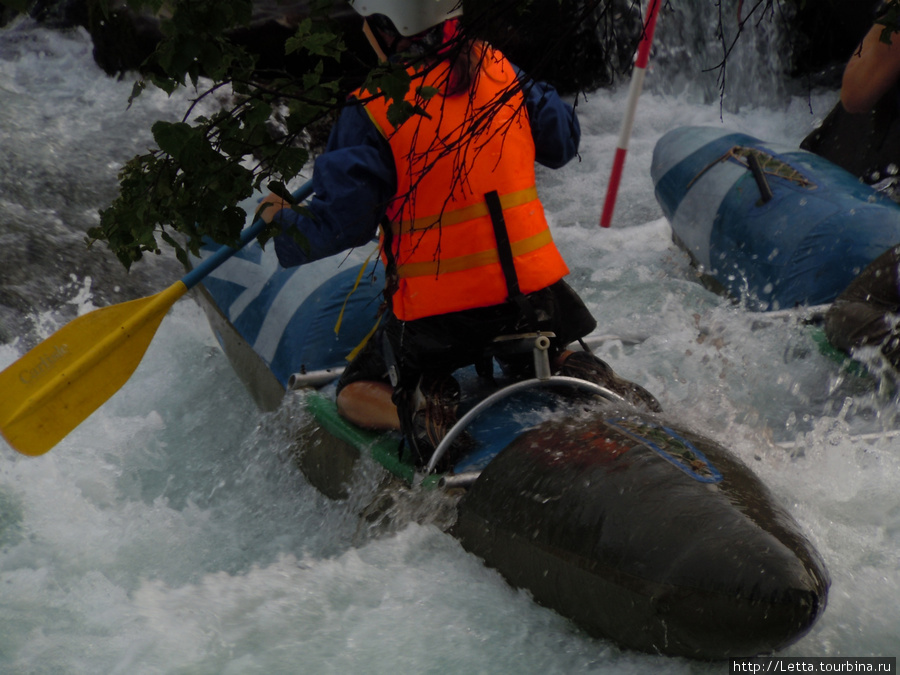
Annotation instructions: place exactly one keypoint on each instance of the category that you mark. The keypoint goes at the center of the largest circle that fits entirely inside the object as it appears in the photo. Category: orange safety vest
(443, 249)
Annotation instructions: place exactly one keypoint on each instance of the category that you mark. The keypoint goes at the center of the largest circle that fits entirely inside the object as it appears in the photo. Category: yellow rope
(340, 319)
(337, 325)
(358, 348)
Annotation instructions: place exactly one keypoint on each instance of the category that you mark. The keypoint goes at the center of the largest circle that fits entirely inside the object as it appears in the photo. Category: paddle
(634, 92)
(56, 385)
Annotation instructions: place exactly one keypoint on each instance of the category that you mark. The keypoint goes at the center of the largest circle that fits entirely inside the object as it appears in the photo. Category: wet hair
(465, 62)
(444, 42)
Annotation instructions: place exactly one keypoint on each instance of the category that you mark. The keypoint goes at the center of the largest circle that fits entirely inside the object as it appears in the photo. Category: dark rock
(584, 44)
(824, 35)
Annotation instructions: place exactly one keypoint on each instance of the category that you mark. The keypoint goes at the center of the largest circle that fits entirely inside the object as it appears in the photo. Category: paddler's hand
(269, 206)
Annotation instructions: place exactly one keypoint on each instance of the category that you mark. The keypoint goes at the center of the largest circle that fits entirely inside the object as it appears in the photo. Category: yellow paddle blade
(55, 386)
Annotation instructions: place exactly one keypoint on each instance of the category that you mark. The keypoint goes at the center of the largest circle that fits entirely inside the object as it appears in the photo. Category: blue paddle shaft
(196, 275)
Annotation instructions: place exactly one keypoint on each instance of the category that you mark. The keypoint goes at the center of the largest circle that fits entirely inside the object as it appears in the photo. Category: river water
(169, 533)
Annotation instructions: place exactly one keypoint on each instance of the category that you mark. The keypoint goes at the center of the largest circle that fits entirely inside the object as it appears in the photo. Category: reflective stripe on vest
(442, 241)
(472, 260)
(478, 210)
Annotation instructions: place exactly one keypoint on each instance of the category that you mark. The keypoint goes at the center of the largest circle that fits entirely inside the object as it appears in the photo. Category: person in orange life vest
(434, 182)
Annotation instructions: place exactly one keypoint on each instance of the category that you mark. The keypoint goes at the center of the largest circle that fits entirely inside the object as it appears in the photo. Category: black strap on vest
(504, 252)
(504, 249)
(391, 282)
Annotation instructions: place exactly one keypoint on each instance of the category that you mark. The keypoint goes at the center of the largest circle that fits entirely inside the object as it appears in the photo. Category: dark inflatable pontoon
(650, 535)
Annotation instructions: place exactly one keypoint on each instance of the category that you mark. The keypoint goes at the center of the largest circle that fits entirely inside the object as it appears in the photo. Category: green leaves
(393, 82)
(196, 44)
(891, 21)
(189, 187)
(173, 138)
(193, 192)
(313, 39)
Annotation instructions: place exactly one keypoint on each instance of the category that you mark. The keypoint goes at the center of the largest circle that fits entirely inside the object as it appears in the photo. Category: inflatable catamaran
(636, 528)
(770, 226)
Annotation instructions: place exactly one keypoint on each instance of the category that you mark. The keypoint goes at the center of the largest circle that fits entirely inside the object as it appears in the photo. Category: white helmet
(410, 17)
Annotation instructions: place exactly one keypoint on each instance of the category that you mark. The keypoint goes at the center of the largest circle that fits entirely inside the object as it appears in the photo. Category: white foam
(170, 533)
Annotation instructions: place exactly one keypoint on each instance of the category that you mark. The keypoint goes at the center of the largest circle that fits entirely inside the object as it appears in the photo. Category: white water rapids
(169, 534)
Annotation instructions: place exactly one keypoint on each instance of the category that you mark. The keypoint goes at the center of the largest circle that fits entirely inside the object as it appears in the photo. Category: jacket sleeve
(352, 182)
(554, 124)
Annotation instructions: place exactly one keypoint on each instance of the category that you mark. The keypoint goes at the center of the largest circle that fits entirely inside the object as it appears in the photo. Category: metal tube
(459, 480)
(506, 392)
(314, 378)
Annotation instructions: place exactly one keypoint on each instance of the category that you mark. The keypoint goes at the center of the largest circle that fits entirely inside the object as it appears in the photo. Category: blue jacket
(355, 177)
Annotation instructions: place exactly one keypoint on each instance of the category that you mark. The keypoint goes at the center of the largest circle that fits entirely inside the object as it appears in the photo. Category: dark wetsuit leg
(866, 313)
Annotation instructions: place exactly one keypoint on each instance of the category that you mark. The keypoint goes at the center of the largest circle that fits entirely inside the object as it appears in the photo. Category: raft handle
(765, 190)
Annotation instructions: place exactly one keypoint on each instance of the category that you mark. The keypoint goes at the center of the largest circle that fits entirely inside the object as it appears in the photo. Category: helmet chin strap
(376, 42)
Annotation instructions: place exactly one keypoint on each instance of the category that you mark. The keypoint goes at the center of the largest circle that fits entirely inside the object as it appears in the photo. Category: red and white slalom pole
(634, 92)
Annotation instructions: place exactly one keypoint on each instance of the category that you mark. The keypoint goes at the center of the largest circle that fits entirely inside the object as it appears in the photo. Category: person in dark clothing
(867, 313)
(862, 133)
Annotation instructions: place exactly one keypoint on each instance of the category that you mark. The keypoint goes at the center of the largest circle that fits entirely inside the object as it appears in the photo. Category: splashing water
(170, 533)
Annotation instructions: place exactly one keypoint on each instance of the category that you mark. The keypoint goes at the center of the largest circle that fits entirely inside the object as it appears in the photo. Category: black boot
(434, 404)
